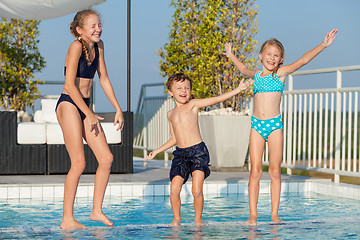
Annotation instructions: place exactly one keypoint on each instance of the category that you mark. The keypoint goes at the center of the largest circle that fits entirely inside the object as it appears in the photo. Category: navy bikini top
(84, 70)
(269, 83)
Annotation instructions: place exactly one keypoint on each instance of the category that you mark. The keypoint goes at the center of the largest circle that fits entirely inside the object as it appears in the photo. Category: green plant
(19, 59)
(199, 32)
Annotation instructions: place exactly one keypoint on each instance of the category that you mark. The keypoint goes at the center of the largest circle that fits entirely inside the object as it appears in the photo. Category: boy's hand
(329, 38)
(228, 50)
(244, 85)
(151, 155)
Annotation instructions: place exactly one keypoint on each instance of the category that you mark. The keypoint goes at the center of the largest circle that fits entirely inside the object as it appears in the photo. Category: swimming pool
(306, 215)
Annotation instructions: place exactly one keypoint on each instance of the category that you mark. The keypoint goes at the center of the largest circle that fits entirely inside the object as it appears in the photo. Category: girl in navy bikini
(77, 120)
(266, 123)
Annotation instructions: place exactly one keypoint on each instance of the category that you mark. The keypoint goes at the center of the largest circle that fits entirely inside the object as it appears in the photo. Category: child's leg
(197, 191)
(275, 143)
(71, 125)
(175, 189)
(256, 149)
(100, 148)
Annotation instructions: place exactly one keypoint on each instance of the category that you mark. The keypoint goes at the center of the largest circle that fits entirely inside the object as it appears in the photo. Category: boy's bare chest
(184, 115)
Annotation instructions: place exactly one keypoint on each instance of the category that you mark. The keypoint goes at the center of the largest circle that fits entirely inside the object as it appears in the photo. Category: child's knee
(78, 166)
(275, 173)
(106, 160)
(175, 190)
(197, 192)
(256, 173)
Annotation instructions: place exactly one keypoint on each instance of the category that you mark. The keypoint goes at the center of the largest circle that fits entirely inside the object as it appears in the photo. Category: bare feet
(100, 216)
(175, 222)
(71, 224)
(276, 219)
(251, 221)
(199, 222)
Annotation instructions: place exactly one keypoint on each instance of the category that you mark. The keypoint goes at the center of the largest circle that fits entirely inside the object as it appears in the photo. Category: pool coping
(162, 188)
(153, 180)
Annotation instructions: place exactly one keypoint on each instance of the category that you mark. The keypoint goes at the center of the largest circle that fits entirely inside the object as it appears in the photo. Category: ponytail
(78, 22)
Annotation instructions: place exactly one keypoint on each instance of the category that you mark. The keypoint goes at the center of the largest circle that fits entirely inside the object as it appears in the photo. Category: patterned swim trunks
(187, 160)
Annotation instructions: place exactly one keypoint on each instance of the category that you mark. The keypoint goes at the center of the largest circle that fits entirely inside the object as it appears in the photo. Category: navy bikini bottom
(67, 98)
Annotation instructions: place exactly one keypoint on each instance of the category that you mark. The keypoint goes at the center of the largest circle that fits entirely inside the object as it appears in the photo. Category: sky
(299, 25)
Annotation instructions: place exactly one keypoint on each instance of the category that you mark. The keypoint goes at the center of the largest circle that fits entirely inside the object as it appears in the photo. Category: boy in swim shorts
(191, 155)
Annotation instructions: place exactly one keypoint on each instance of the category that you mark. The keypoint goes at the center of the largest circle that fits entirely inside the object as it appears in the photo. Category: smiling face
(180, 91)
(91, 29)
(271, 57)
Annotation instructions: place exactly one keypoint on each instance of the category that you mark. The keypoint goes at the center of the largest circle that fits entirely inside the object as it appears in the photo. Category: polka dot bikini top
(269, 83)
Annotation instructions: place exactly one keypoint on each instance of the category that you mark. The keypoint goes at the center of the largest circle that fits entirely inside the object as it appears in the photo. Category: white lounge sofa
(38, 154)
(46, 130)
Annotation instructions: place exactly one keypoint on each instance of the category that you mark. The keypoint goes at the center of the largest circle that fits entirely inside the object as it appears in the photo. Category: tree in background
(199, 32)
(19, 60)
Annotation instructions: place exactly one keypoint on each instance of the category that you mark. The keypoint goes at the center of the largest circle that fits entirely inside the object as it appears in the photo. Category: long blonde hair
(78, 21)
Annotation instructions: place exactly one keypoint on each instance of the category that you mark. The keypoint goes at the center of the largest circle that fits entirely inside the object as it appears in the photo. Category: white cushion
(38, 117)
(54, 133)
(31, 133)
(48, 113)
(112, 136)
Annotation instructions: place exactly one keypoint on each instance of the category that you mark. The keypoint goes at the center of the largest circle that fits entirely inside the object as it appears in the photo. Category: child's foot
(251, 221)
(71, 224)
(199, 223)
(101, 218)
(175, 222)
(276, 219)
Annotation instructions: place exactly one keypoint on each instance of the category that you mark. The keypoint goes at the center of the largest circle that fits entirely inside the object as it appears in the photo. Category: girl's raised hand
(228, 49)
(329, 38)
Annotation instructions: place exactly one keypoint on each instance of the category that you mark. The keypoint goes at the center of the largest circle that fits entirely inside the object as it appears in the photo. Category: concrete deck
(154, 173)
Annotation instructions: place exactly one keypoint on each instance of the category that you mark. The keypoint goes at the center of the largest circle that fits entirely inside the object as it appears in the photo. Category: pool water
(306, 216)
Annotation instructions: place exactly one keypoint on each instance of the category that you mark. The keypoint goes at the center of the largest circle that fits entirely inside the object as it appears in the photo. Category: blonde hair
(178, 77)
(278, 44)
(78, 21)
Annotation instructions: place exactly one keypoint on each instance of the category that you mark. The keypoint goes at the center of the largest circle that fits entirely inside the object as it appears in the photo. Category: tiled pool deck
(153, 180)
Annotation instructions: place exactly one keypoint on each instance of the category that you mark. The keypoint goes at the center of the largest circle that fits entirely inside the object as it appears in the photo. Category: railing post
(93, 96)
(166, 159)
(145, 138)
(289, 125)
(338, 127)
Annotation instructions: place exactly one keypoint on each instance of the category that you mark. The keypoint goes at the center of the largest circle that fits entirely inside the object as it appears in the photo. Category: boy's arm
(240, 65)
(205, 102)
(171, 142)
(288, 69)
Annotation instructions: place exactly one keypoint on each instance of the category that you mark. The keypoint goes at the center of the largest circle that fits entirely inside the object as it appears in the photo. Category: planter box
(227, 138)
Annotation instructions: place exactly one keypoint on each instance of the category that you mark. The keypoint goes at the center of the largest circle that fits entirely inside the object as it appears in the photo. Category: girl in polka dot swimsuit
(266, 122)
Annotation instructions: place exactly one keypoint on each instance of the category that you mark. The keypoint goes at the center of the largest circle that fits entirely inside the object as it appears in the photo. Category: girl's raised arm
(240, 65)
(307, 57)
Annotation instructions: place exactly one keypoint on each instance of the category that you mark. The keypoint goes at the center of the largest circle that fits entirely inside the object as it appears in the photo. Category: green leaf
(197, 36)
(20, 59)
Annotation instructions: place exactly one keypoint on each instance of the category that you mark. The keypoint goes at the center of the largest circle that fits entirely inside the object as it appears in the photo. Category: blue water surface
(306, 216)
